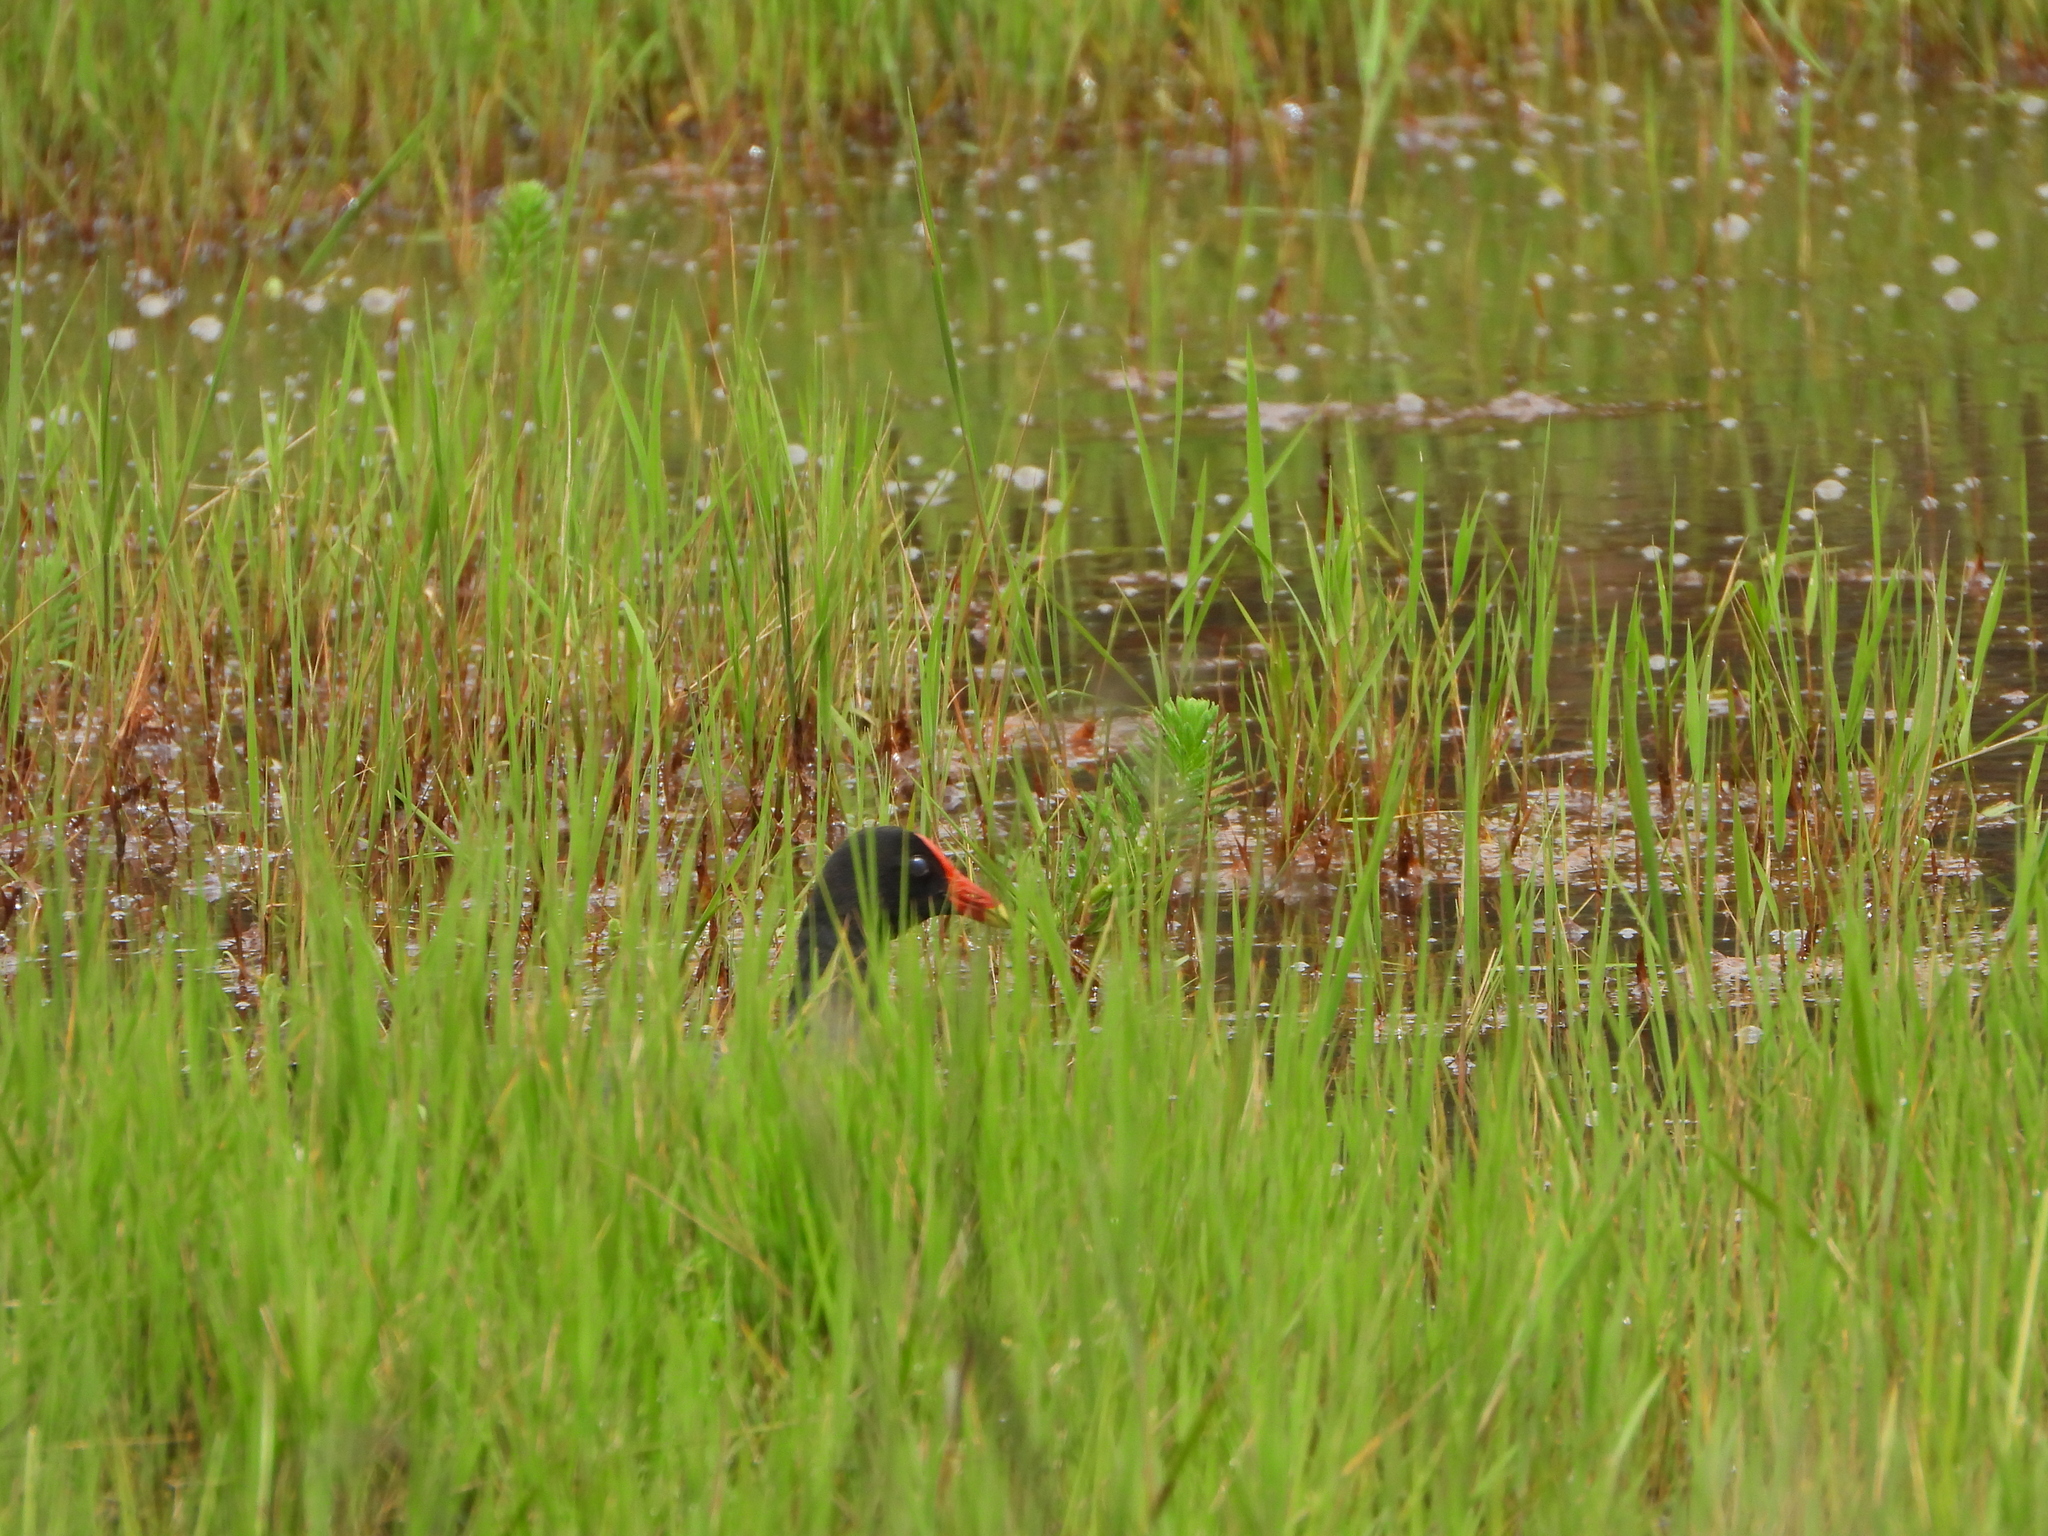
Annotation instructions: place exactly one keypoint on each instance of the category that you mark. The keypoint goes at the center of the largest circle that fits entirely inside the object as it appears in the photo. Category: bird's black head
(876, 884)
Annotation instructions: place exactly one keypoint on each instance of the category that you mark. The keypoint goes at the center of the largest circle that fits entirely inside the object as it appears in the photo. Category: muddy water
(1674, 329)
(1668, 323)
(1671, 322)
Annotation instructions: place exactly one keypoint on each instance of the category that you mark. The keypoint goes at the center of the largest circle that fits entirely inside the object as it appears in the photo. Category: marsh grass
(569, 1267)
(258, 116)
(399, 1130)
(398, 1126)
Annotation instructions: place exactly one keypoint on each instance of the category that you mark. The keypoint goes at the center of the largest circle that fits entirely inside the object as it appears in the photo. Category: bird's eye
(920, 866)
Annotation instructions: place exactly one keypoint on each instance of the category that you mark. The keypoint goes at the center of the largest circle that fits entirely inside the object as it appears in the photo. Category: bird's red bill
(969, 899)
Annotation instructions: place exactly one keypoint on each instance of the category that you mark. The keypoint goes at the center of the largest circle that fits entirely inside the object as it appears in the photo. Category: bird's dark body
(878, 883)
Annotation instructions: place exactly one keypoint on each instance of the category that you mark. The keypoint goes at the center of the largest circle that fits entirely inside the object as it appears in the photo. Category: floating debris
(1156, 384)
(1411, 412)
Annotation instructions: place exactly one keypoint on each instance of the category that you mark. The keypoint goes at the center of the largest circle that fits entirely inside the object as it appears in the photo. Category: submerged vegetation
(1513, 759)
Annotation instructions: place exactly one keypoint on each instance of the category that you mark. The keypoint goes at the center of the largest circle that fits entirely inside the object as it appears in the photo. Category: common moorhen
(877, 883)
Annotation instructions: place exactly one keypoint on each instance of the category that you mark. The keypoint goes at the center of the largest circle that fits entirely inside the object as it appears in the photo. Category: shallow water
(1839, 310)
(1678, 328)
